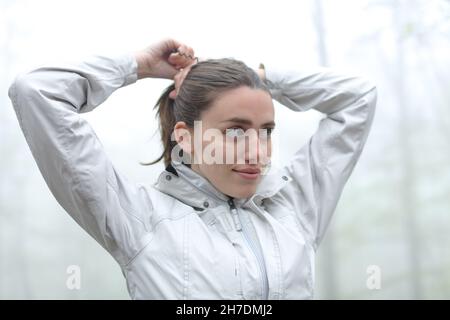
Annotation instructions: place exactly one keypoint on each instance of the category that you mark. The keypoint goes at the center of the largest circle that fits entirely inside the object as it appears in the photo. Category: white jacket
(180, 238)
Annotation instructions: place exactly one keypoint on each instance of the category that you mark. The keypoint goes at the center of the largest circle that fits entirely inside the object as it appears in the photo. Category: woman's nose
(256, 150)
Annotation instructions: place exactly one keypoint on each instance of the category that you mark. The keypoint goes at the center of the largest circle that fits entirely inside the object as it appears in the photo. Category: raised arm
(47, 101)
(322, 166)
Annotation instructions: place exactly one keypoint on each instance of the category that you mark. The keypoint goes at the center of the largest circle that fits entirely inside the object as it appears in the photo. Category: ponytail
(165, 107)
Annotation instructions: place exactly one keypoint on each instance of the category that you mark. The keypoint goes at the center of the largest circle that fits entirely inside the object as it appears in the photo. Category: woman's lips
(248, 174)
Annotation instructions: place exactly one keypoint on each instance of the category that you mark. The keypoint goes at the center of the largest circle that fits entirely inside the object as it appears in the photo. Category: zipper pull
(234, 215)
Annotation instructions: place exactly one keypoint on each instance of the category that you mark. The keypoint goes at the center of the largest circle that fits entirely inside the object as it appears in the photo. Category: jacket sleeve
(321, 167)
(48, 102)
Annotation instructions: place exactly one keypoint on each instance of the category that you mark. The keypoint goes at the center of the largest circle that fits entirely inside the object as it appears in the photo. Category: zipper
(262, 268)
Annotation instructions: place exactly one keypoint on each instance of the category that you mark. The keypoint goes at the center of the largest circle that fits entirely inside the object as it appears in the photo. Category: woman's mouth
(248, 173)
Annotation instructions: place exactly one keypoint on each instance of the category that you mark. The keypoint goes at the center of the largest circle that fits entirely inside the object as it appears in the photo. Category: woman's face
(232, 143)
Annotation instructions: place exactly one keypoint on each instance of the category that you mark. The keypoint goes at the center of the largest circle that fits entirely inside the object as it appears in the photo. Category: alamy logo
(373, 282)
(73, 281)
(212, 146)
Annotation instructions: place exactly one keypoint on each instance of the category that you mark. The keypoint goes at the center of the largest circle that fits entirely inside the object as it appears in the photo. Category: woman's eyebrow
(248, 122)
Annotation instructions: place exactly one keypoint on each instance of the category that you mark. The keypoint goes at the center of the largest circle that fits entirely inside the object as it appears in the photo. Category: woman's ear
(183, 137)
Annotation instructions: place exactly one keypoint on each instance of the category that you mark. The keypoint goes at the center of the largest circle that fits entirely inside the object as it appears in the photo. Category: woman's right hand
(163, 59)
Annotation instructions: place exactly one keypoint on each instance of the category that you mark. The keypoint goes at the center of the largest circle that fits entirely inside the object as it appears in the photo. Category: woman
(221, 230)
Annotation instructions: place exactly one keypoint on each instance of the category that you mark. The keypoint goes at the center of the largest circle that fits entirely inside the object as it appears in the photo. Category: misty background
(394, 213)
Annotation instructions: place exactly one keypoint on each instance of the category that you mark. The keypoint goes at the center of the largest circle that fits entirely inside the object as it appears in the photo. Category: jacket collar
(191, 188)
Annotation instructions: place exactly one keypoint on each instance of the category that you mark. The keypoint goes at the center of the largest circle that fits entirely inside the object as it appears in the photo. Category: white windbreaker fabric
(179, 237)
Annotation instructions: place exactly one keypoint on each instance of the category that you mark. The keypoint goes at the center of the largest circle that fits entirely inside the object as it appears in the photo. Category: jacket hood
(191, 188)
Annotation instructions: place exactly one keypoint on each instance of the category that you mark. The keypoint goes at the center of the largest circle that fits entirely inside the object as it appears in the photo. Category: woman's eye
(266, 132)
(234, 132)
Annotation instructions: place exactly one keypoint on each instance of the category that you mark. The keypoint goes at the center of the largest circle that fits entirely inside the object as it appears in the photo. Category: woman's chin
(241, 193)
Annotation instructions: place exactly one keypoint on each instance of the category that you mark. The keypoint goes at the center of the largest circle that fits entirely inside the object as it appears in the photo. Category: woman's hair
(204, 82)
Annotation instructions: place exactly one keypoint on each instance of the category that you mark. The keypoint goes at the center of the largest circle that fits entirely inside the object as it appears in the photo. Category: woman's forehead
(242, 104)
